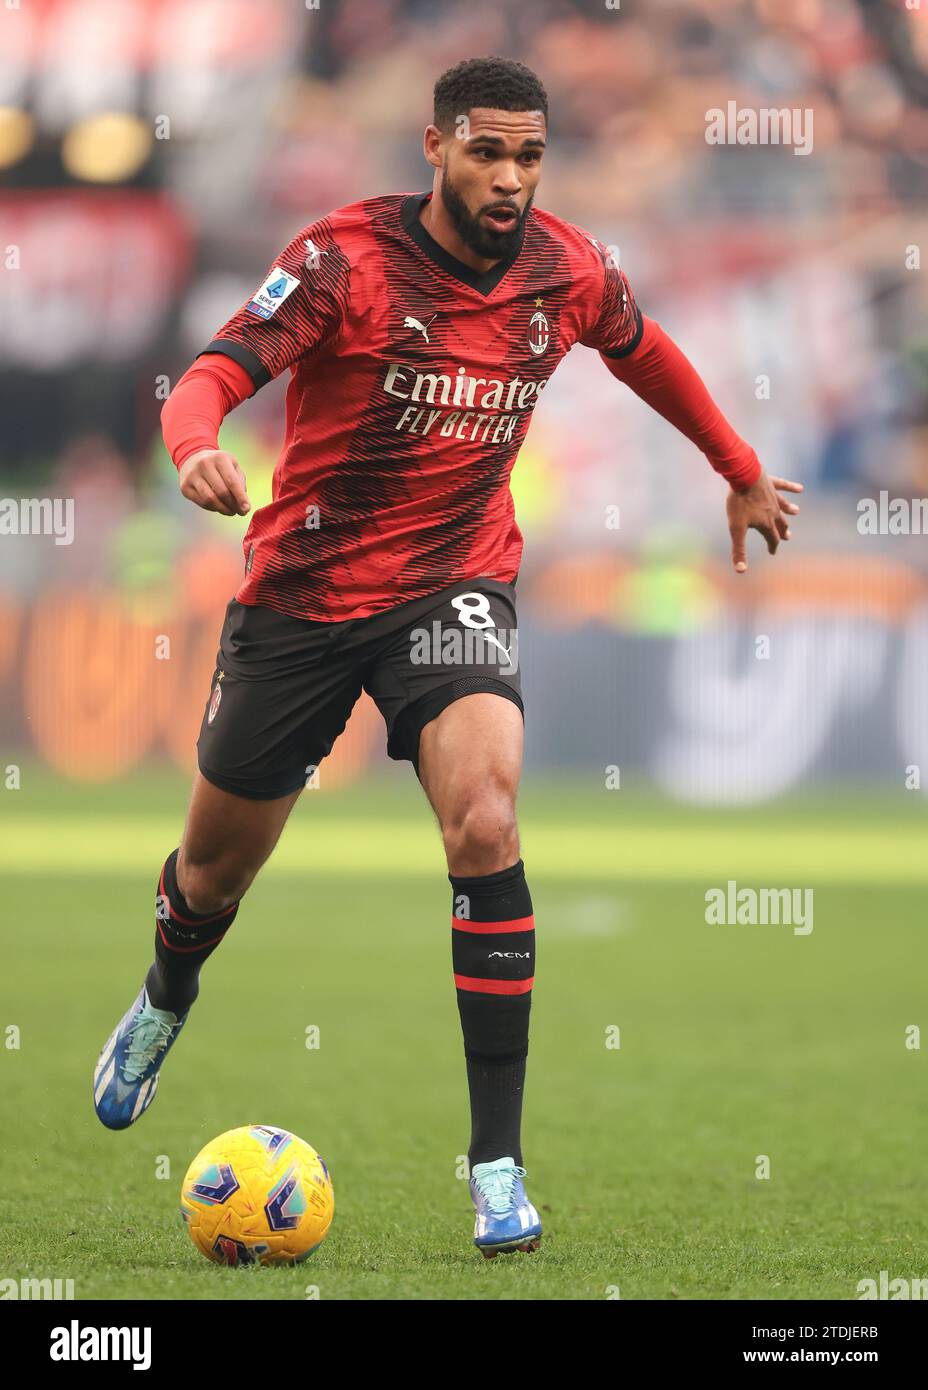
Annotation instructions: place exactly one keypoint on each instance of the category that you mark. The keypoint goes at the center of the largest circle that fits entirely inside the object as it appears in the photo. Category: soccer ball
(257, 1195)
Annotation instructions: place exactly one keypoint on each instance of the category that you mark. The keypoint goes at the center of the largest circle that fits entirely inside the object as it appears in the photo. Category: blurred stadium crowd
(155, 154)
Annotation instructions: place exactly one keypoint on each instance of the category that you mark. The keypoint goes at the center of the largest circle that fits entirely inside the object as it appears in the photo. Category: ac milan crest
(538, 333)
(214, 703)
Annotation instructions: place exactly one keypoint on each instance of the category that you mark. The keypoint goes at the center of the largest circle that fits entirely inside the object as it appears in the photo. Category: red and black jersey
(413, 380)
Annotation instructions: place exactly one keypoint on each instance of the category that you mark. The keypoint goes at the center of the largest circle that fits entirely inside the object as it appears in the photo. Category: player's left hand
(760, 508)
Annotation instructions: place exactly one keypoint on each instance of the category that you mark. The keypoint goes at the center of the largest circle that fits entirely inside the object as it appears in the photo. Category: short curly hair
(499, 83)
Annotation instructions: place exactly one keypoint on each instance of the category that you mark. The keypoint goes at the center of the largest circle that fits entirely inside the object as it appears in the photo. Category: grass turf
(736, 1041)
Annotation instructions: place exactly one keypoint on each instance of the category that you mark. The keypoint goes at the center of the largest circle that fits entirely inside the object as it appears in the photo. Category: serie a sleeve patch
(268, 299)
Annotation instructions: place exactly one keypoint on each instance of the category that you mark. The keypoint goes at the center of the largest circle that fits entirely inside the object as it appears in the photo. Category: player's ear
(432, 146)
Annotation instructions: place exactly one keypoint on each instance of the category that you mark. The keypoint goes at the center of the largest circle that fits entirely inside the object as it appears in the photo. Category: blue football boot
(506, 1219)
(126, 1076)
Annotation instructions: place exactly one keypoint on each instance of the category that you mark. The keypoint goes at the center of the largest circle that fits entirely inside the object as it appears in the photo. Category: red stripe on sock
(493, 986)
(191, 921)
(485, 928)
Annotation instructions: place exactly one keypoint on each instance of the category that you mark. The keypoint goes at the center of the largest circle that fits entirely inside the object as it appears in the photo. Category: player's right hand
(213, 479)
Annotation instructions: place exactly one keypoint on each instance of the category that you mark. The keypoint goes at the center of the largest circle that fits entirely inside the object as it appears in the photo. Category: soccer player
(419, 330)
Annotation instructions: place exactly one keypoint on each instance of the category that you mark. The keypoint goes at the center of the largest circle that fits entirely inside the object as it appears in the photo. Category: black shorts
(284, 687)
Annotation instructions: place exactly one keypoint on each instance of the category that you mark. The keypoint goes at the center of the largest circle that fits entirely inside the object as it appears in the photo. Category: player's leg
(469, 763)
(445, 677)
(280, 696)
(470, 758)
(226, 839)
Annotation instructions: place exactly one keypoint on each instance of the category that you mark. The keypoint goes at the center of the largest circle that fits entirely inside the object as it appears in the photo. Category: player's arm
(638, 352)
(658, 372)
(296, 311)
(190, 421)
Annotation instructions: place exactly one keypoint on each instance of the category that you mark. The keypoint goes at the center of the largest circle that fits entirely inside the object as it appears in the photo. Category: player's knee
(482, 837)
(211, 887)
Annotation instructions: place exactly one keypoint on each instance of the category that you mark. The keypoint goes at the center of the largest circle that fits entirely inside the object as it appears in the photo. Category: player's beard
(481, 239)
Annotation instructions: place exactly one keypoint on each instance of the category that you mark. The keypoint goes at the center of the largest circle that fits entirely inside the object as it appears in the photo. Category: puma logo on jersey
(410, 322)
(314, 254)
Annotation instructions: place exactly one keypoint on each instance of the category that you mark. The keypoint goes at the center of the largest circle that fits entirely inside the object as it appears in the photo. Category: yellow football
(257, 1195)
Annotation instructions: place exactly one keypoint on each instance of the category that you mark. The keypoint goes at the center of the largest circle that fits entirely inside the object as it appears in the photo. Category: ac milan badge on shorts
(214, 703)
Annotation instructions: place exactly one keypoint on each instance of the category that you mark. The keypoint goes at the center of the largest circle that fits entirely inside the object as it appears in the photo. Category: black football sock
(493, 950)
(183, 940)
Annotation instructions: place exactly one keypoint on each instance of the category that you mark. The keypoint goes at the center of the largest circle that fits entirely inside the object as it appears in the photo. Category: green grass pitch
(736, 1041)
